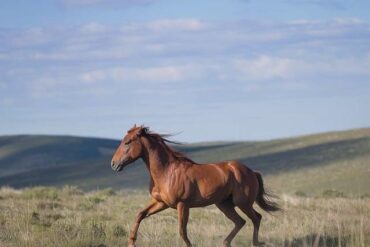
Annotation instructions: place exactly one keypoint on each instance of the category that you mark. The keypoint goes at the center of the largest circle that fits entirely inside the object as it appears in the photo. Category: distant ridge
(310, 163)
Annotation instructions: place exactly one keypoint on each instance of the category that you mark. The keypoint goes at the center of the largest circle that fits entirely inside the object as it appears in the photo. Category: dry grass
(67, 217)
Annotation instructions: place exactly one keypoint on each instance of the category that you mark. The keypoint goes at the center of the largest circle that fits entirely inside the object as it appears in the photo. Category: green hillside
(309, 164)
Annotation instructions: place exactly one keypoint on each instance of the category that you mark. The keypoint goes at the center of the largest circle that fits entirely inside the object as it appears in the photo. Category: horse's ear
(134, 126)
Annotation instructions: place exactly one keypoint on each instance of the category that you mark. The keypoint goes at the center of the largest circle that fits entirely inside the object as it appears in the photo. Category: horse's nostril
(112, 164)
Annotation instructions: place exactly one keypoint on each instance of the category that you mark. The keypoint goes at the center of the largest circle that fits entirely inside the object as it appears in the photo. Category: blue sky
(212, 70)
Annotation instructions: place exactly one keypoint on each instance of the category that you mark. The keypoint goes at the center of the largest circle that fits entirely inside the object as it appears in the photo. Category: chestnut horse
(178, 182)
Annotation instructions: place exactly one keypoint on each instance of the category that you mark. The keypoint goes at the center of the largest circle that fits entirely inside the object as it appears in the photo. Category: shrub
(54, 216)
(67, 228)
(41, 193)
(96, 199)
(2, 220)
(332, 193)
(107, 192)
(37, 220)
(87, 205)
(72, 191)
(9, 192)
(118, 231)
(48, 205)
(101, 195)
(44, 220)
(366, 195)
(90, 202)
(300, 193)
(97, 230)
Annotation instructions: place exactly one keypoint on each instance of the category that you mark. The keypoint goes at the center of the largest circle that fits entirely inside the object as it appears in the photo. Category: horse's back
(225, 172)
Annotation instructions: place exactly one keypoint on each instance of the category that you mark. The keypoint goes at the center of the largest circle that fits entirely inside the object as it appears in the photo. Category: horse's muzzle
(116, 166)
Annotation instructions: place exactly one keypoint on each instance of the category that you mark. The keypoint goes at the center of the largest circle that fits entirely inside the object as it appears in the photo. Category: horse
(178, 182)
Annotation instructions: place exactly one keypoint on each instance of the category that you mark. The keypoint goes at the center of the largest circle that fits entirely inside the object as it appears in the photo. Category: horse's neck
(156, 158)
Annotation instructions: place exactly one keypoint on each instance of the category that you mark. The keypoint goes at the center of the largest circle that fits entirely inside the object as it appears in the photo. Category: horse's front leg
(183, 213)
(153, 208)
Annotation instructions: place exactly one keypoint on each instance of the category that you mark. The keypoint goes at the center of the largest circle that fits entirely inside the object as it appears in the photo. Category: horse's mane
(163, 139)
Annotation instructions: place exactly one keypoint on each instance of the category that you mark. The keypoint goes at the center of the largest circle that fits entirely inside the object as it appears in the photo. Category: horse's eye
(128, 142)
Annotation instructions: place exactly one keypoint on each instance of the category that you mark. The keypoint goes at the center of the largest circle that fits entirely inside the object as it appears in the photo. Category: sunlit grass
(68, 217)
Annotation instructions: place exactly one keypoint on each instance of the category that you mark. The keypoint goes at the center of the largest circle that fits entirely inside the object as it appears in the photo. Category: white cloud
(184, 51)
(93, 76)
(349, 21)
(266, 67)
(148, 74)
(94, 28)
(178, 25)
(167, 73)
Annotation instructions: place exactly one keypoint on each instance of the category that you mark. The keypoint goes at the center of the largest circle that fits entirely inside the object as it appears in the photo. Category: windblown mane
(163, 139)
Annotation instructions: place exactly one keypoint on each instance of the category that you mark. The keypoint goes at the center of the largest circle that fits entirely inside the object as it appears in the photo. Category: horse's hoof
(131, 245)
(259, 244)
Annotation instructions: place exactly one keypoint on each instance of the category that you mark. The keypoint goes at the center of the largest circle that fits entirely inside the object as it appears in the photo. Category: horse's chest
(170, 195)
(171, 201)
(175, 188)
(156, 195)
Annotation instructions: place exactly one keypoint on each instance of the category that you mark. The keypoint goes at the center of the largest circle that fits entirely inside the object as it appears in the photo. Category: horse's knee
(259, 216)
(257, 219)
(140, 216)
(240, 223)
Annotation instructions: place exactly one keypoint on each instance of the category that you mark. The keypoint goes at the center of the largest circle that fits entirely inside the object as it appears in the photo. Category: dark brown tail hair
(263, 197)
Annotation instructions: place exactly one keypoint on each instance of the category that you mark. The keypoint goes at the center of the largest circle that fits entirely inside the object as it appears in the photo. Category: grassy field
(46, 216)
(322, 180)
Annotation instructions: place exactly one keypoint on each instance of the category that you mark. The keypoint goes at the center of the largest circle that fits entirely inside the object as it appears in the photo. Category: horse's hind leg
(256, 219)
(228, 208)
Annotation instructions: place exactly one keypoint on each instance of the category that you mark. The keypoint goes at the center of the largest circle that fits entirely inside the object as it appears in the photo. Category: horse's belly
(205, 202)
(205, 195)
(214, 193)
(194, 198)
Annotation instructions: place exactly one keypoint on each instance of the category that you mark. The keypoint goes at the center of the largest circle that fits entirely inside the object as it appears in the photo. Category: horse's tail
(262, 197)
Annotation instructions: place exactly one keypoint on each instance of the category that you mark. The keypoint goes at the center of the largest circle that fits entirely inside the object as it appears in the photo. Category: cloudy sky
(212, 70)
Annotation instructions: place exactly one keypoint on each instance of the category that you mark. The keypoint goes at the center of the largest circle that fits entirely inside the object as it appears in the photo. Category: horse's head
(129, 150)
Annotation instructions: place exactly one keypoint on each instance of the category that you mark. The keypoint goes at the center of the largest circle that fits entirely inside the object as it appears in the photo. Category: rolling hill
(309, 164)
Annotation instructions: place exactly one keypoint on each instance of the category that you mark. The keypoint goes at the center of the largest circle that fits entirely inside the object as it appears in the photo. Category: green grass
(349, 176)
(47, 216)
